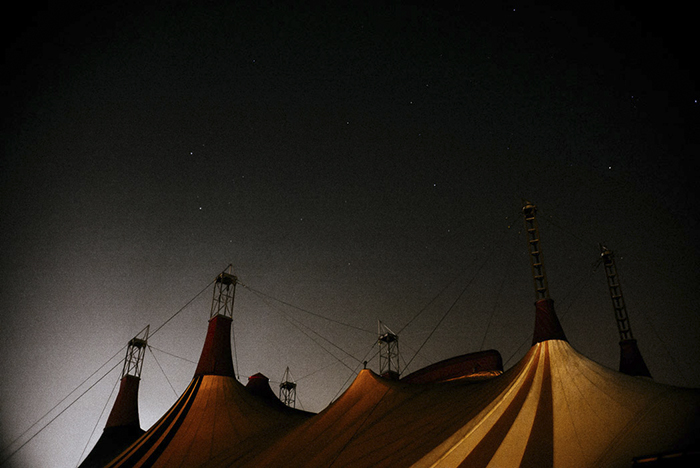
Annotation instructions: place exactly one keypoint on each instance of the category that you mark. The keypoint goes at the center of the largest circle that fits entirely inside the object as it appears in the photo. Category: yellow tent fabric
(554, 408)
(563, 409)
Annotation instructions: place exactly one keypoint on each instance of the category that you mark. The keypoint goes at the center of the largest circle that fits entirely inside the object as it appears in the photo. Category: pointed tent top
(259, 385)
(216, 358)
(125, 411)
(123, 426)
(547, 326)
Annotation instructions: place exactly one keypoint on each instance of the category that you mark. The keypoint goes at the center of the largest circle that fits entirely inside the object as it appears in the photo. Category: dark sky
(351, 160)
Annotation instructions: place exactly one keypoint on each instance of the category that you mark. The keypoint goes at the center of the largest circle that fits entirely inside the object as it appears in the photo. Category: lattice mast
(536, 260)
(547, 326)
(216, 357)
(631, 361)
(388, 351)
(224, 294)
(288, 390)
(125, 412)
(135, 351)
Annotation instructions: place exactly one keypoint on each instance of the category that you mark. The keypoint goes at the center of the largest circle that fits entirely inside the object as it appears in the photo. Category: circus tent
(214, 414)
(554, 408)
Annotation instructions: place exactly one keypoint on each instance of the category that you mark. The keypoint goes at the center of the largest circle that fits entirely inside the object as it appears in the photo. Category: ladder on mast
(631, 361)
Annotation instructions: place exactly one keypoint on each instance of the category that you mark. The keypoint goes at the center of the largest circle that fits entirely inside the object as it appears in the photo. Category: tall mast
(533, 242)
(631, 361)
(216, 358)
(388, 352)
(224, 294)
(133, 362)
(547, 326)
(288, 390)
(123, 426)
(125, 410)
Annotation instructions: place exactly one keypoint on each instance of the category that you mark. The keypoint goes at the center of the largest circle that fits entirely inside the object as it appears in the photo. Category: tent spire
(631, 360)
(216, 358)
(125, 411)
(547, 326)
(123, 426)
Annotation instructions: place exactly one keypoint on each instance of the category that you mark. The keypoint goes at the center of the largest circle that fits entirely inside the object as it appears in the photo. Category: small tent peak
(125, 411)
(258, 384)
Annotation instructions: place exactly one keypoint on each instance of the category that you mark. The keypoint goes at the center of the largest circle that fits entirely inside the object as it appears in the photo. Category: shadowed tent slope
(122, 427)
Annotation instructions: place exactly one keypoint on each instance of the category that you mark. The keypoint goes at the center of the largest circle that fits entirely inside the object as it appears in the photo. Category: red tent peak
(547, 326)
(216, 356)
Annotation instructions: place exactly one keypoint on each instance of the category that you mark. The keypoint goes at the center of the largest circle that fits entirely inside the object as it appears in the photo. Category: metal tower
(547, 326)
(631, 361)
(216, 357)
(533, 242)
(135, 351)
(288, 390)
(388, 352)
(224, 294)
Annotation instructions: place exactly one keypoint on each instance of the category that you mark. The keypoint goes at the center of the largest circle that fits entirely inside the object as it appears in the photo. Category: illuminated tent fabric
(562, 409)
(214, 414)
(376, 422)
(554, 408)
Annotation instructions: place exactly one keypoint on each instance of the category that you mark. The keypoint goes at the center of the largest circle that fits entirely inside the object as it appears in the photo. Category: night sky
(354, 162)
